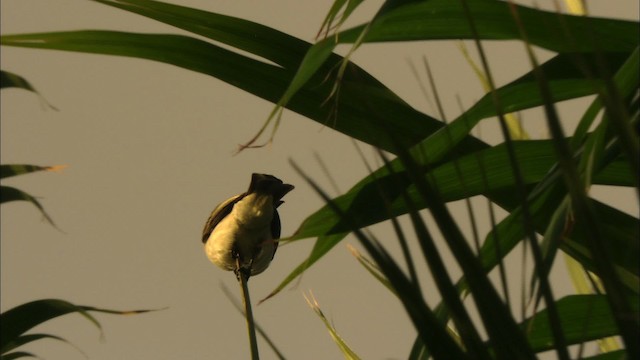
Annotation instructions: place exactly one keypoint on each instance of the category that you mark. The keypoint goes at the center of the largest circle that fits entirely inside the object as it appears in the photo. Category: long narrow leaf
(443, 19)
(17, 355)
(22, 318)
(438, 270)
(28, 338)
(430, 330)
(263, 41)
(8, 194)
(583, 317)
(346, 351)
(536, 158)
(506, 340)
(584, 213)
(9, 170)
(364, 200)
(11, 80)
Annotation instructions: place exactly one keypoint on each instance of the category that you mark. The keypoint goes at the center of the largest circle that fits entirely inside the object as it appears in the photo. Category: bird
(242, 232)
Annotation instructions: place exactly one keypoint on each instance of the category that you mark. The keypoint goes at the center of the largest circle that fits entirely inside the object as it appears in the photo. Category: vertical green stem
(243, 277)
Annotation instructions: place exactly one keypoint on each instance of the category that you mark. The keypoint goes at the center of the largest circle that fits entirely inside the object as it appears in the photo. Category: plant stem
(243, 277)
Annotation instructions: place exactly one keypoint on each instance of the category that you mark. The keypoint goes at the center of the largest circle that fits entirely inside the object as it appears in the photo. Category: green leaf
(347, 7)
(497, 319)
(429, 329)
(364, 199)
(289, 51)
(17, 355)
(27, 338)
(583, 318)
(562, 67)
(372, 268)
(361, 92)
(264, 80)
(20, 319)
(535, 156)
(322, 246)
(9, 170)
(625, 83)
(9, 80)
(346, 351)
(263, 41)
(8, 194)
(444, 19)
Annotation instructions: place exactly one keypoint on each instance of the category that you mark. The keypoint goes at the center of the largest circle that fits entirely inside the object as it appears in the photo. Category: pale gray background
(149, 148)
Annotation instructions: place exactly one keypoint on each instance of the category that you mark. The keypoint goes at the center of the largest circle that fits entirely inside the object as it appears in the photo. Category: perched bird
(242, 232)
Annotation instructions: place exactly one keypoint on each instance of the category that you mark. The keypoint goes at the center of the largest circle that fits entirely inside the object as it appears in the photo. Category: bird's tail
(269, 184)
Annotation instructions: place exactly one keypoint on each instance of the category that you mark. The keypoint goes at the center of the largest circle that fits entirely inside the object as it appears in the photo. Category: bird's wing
(218, 214)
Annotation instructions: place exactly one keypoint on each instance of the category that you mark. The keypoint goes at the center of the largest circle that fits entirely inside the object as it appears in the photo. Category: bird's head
(254, 210)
